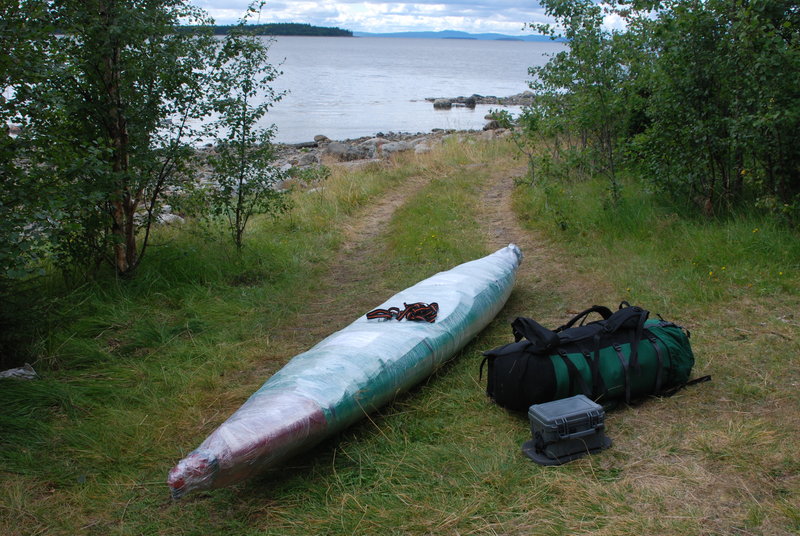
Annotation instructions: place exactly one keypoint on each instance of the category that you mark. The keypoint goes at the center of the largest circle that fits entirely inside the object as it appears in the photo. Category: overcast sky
(474, 16)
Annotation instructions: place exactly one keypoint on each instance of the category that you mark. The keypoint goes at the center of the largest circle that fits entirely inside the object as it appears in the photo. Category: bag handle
(542, 338)
(621, 317)
(604, 311)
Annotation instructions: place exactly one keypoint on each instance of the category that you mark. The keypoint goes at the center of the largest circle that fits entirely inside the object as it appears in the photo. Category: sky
(377, 16)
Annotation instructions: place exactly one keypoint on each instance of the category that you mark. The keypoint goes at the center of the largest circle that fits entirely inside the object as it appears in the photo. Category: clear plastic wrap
(349, 374)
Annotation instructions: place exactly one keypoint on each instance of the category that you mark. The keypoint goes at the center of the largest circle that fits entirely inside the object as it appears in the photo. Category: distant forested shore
(283, 28)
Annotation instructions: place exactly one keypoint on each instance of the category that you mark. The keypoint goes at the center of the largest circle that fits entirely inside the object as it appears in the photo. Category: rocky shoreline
(362, 151)
(302, 161)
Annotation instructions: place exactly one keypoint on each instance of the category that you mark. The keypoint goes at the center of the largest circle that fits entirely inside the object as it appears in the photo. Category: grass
(132, 365)
(136, 373)
(734, 282)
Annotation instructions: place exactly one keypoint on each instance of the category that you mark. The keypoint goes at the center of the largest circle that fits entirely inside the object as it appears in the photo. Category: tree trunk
(708, 204)
(124, 207)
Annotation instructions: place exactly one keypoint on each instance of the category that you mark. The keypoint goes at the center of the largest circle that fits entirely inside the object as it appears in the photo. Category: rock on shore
(381, 146)
(445, 103)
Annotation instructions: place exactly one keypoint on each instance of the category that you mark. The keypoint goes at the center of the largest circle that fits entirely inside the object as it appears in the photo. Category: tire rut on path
(548, 287)
(355, 267)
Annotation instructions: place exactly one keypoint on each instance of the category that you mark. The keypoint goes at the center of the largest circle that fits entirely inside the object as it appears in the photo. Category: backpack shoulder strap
(673, 390)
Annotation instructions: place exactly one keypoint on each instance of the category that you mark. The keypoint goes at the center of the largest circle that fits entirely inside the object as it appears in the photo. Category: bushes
(698, 97)
(109, 103)
(111, 100)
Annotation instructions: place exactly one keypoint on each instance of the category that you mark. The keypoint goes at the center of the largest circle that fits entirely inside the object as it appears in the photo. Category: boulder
(395, 147)
(308, 159)
(319, 138)
(305, 145)
(167, 218)
(492, 125)
(344, 152)
(422, 148)
(372, 146)
(377, 141)
(442, 104)
(417, 141)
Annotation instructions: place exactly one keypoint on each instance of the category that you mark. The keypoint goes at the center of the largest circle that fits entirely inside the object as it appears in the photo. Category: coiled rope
(417, 312)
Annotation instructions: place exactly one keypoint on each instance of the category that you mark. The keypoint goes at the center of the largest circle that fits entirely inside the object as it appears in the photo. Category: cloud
(503, 16)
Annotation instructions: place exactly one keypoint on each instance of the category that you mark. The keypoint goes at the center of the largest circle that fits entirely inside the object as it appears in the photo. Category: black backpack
(623, 356)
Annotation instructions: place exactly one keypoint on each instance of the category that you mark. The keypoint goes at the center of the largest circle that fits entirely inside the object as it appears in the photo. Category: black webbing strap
(623, 318)
(574, 375)
(593, 371)
(418, 312)
(672, 391)
(543, 339)
(592, 358)
(480, 370)
(603, 311)
(624, 364)
(599, 390)
(660, 358)
(637, 337)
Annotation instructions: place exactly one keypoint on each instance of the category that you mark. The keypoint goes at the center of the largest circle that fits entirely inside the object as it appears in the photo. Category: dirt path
(548, 287)
(360, 236)
(357, 266)
(500, 225)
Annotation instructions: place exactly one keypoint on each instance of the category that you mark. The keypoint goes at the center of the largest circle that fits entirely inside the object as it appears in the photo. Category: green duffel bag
(625, 355)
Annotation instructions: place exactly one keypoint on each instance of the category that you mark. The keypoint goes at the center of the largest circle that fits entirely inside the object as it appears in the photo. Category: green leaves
(109, 113)
(107, 109)
(583, 100)
(245, 181)
(696, 94)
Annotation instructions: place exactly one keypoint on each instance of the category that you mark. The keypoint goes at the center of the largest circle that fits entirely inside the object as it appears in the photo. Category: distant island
(453, 34)
(280, 28)
(298, 29)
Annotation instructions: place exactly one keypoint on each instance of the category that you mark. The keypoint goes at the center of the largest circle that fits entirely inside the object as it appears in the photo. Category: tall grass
(658, 254)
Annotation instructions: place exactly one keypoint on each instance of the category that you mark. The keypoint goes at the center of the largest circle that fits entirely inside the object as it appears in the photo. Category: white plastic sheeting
(349, 374)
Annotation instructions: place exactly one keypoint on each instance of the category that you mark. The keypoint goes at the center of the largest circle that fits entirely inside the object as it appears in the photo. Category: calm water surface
(352, 87)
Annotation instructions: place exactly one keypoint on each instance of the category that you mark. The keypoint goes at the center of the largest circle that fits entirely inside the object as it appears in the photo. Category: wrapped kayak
(349, 374)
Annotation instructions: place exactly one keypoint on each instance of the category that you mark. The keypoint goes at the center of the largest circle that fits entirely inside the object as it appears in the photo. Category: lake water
(351, 87)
